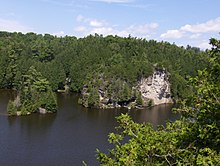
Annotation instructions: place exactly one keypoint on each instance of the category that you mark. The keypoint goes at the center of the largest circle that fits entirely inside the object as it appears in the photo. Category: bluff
(156, 88)
(153, 90)
(109, 71)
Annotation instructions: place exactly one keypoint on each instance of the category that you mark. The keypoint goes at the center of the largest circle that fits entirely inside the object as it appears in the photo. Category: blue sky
(182, 22)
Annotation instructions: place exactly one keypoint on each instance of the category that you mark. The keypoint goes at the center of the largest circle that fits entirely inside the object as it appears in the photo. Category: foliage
(11, 108)
(139, 100)
(35, 92)
(205, 104)
(118, 63)
(192, 140)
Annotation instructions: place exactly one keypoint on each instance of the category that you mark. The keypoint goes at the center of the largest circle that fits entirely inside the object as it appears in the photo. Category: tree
(35, 93)
(11, 69)
(11, 108)
(192, 140)
(127, 60)
(145, 145)
(93, 99)
(204, 106)
(139, 100)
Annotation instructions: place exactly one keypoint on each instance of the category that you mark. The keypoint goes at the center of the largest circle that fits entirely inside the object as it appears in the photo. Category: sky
(183, 22)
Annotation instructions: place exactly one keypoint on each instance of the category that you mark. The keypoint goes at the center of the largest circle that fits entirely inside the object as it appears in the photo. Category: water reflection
(31, 123)
(34, 124)
(157, 115)
(67, 137)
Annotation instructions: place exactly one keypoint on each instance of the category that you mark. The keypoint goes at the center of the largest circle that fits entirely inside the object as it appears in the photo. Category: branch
(133, 133)
(173, 154)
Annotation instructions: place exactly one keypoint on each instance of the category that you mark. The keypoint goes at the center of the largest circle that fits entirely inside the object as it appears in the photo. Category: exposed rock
(42, 110)
(156, 88)
(153, 90)
(65, 90)
(18, 113)
(17, 101)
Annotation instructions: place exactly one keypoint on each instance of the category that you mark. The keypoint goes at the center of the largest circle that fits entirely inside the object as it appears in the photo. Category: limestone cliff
(153, 90)
(156, 88)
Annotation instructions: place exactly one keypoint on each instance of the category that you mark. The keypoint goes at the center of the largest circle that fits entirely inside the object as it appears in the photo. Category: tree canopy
(112, 63)
(34, 94)
(192, 140)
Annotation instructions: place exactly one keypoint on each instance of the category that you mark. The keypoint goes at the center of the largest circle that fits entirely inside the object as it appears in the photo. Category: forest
(37, 66)
(194, 139)
(112, 63)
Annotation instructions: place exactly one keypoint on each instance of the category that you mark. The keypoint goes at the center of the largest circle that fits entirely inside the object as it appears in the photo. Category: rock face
(156, 88)
(150, 91)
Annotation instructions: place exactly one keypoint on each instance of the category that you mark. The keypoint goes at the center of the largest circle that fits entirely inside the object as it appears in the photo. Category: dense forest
(113, 64)
(34, 94)
(38, 65)
(192, 140)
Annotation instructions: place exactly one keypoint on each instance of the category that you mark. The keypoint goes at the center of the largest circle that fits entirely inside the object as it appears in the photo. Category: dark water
(65, 138)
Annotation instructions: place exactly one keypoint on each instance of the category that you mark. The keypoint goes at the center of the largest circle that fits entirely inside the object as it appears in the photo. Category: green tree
(93, 99)
(11, 108)
(35, 93)
(139, 100)
(125, 92)
(11, 69)
(125, 59)
(204, 106)
(192, 140)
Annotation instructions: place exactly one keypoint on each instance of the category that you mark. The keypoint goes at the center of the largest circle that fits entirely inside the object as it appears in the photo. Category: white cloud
(196, 30)
(13, 26)
(142, 29)
(91, 22)
(95, 23)
(174, 34)
(103, 30)
(209, 26)
(204, 45)
(91, 26)
(195, 36)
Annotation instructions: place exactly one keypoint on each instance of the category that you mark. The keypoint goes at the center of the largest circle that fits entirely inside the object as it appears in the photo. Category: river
(67, 137)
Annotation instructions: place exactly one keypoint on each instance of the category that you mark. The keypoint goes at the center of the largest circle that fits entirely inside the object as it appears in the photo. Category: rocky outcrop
(150, 91)
(156, 88)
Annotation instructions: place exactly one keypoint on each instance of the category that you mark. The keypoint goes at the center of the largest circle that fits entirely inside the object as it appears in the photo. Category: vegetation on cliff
(192, 140)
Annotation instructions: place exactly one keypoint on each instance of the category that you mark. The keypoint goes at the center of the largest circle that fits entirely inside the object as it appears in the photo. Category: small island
(35, 95)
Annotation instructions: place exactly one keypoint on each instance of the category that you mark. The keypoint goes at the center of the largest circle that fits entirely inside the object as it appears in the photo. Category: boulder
(42, 110)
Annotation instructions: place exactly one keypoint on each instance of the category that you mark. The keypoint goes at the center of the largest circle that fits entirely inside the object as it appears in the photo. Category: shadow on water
(67, 137)
(157, 115)
(5, 95)
(28, 123)
(32, 123)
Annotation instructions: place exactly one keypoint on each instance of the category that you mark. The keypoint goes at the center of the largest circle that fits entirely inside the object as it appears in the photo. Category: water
(67, 137)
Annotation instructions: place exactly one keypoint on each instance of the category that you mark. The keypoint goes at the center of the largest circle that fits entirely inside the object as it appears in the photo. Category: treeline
(113, 62)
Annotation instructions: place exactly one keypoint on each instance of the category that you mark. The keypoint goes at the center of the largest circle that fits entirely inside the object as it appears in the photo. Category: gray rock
(42, 110)
(156, 88)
